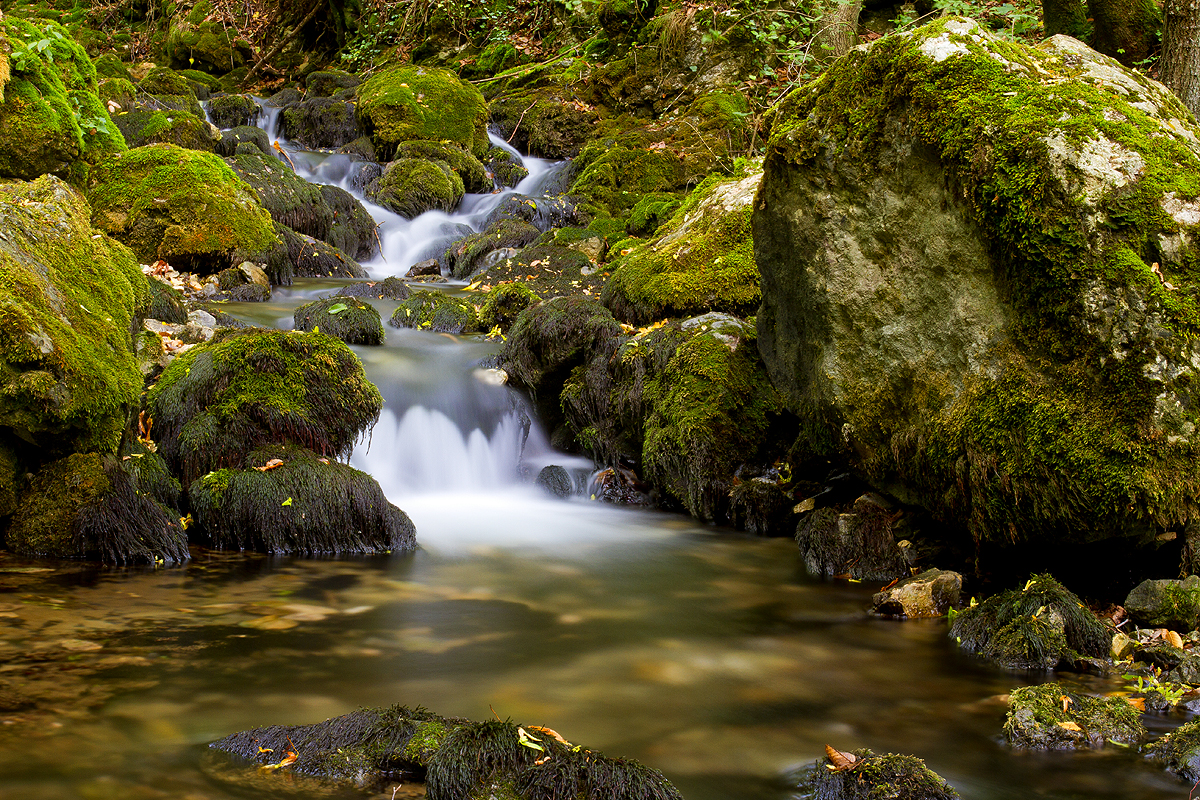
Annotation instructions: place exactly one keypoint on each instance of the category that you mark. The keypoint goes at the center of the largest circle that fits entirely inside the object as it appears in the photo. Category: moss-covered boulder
(70, 298)
(182, 206)
(348, 318)
(197, 37)
(505, 168)
(412, 186)
(325, 83)
(165, 81)
(1179, 751)
(390, 288)
(469, 168)
(166, 303)
(216, 403)
(459, 759)
(108, 65)
(977, 285)
(320, 122)
(545, 122)
(1036, 627)
(858, 543)
(617, 172)
(88, 506)
(702, 260)
(1173, 604)
(51, 118)
(254, 139)
(502, 238)
(436, 311)
(504, 304)
(233, 110)
(179, 128)
(864, 775)
(1050, 717)
(288, 500)
(403, 103)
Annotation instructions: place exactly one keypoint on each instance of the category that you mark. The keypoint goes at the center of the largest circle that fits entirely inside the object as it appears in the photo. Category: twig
(514, 130)
(284, 42)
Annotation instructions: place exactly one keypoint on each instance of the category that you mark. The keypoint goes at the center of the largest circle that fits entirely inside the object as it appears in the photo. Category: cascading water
(454, 447)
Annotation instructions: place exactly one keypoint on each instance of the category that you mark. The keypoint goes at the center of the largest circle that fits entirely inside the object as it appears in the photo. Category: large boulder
(703, 259)
(977, 288)
(51, 118)
(143, 127)
(181, 206)
(1166, 603)
(196, 36)
(1052, 717)
(70, 298)
(320, 122)
(217, 403)
(404, 103)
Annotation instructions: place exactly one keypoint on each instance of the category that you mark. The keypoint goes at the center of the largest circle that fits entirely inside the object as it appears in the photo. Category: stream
(702, 652)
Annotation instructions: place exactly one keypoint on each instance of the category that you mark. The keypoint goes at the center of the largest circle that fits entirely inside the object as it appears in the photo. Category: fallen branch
(284, 42)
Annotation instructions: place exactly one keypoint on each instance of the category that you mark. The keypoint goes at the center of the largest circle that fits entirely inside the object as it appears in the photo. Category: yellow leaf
(1174, 639)
(840, 760)
(287, 502)
(1070, 726)
(1137, 702)
(272, 464)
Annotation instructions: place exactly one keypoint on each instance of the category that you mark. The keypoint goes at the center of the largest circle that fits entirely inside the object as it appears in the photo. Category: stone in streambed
(1050, 717)
(930, 594)
(1173, 604)
(872, 776)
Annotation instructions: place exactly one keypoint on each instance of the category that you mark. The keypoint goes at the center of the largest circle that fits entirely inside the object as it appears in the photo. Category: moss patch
(875, 777)
(412, 186)
(437, 312)
(403, 103)
(1037, 720)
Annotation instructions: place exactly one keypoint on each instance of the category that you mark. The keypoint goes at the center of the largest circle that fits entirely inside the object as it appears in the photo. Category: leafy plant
(25, 57)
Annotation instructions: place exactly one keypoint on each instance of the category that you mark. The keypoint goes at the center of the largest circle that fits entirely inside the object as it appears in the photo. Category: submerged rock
(457, 758)
(872, 776)
(976, 286)
(1037, 627)
(1180, 751)
(1049, 717)
(218, 402)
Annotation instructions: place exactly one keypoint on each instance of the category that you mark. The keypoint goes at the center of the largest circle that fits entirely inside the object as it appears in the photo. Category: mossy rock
(858, 543)
(465, 256)
(459, 758)
(320, 122)
(650, 212)
(412, 186)
(254, 139)
(167, 127)
(496, 57)
(547, 269)
(324, 83)
(109, 66)
(349, 319)
(1169, 604)
(958, 236)
(403, 103)
(1050, 717)
(504, 304)
(194, 39)
(874, 776)
(1179, 751)
(437, 312)
(301, 255)
(545, 122)
(117, 95)
(1037, 627)
(182, 206)
(165, 81)
(616, 174)
(305, 505)
(469, 168)
(233, 110)
(543, 213)
(68, 376)
(87, 506)
(390, 288)
(703, 259)
(216, 403)
(203, 84)
(166, 303)
(711, 408)
(51, 118)
(506, 168)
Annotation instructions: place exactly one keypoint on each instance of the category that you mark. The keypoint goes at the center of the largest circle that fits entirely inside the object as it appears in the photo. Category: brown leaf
(1066, 701)
(272, 464)
(1137, 702)
(840, 760)
(1174, 639)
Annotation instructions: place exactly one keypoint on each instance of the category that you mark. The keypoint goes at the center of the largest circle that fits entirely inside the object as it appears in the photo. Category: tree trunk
(1179, 67)
(1064, 16)
(1124, 29)
(837, 29)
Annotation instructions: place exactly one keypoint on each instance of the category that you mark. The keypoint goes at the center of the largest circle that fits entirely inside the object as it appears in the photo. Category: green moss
(618, 174)
(216, 403)
(1050, 717)
(412, 186)
(232, 110)
(876, 777)
(51, 119)
(351, 320)
(120, 91)
(710, 409)
(1036, 627)
(437, 312)
(702, 261)
(472, 172)
(1179, 750)
(650, 212)
(503, 304)
(403, 103)
(164, 80)
(1062, 441)
(305, 505)
(182, 206)
(109, 66)
(193, 38)
(166, 127)
(68, 378)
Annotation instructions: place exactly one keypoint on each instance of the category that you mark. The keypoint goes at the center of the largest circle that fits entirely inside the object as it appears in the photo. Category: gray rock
(1170, 604)
(930, 594)
(555, 480)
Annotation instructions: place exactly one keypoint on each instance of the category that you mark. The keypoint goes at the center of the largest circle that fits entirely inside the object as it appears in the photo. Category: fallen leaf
(1066, 701)
(839, 759)
(287, 502)
(1137, 702)
(529, 741)
(336, 308)
(1070, 726)
(549, 732)
(1174, 639)
(272, 464)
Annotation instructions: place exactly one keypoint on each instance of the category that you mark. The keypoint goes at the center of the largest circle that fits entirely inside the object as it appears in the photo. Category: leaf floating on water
(272, 464)
(839, 760)
(1070, 726)
(337, 308)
